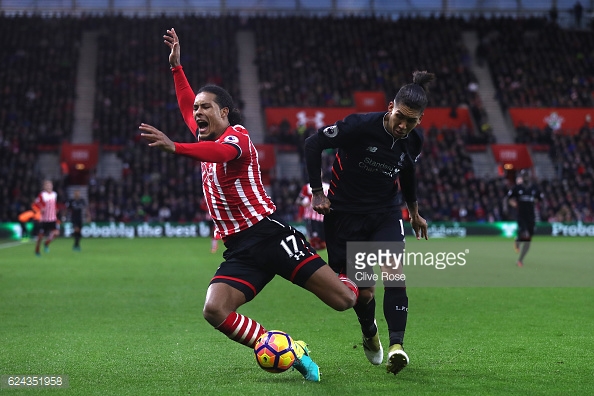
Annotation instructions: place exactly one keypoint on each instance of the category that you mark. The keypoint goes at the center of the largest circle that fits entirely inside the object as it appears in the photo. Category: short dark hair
(414, 95)
(223, 99)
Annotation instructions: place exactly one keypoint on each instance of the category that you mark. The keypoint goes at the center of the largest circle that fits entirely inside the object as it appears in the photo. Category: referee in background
(77, 207)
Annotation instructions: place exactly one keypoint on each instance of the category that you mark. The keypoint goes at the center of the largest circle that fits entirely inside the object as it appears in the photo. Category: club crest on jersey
(331, 131)
(372, 149)
(231, 139)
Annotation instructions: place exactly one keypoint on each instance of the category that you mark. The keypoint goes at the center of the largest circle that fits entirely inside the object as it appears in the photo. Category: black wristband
(317, 190)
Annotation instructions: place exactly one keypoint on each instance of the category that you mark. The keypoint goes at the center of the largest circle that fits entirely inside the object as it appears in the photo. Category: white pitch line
(12, 244)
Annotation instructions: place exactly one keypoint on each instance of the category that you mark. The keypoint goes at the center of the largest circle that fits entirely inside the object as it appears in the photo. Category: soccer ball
(275, 351)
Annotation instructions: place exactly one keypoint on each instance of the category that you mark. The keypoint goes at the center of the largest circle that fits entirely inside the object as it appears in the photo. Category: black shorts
(525, 229)
(271, 247)
(342, 227)
(77, 223)
(45, 227)
(315, 229)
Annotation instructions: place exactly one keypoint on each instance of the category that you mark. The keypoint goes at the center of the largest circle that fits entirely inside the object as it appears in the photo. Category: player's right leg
(76, 235)
(40, 235)
(237, 281)
(222, 301)
(365, 309)
(390, 228)
(338, 230)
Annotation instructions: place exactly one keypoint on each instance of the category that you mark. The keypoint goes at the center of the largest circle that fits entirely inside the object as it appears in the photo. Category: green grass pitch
(123, 317)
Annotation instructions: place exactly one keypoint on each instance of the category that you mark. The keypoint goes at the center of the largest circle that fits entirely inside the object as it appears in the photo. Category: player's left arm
(87, 210)
(341, 134)
(206, 151)
(183, 90)
(408, 186)
(511, 198)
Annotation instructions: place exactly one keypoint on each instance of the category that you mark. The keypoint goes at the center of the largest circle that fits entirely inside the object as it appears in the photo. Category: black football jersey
(367, 163)
(526, 197)
(76, 207)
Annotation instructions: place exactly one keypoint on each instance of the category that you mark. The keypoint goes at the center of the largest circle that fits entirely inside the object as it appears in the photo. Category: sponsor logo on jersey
(331, 131)
(231, 139)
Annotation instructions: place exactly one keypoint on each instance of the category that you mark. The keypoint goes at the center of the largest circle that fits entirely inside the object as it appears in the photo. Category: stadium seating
(536, 63)
(134, 85)
(37, 86)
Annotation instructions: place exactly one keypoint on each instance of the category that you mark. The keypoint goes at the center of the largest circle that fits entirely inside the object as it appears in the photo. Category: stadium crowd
(37, 93)
(536, 63)
(296, 69)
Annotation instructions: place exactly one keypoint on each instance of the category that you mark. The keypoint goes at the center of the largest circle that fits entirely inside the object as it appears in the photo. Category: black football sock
(366, 315)
(396, 313)
(524, 250)
(77, 238)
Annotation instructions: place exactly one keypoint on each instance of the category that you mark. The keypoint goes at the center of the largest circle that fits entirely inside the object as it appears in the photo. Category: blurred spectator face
(211, 119)
(401, 119)
(519, 180)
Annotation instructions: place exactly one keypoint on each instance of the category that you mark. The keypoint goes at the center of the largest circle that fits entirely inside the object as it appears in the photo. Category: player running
(258, 244)
(46, 202)
(522, 197)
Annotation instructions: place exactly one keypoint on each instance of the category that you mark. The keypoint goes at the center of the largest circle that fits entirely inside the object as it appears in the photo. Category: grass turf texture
(123, 317)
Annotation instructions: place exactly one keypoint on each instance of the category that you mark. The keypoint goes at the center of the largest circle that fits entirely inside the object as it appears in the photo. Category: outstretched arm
(202, 151)
(185, 94)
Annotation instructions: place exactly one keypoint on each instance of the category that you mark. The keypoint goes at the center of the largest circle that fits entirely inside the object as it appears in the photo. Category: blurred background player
(79, 212)
(314, 221)
(47, 201)
(522, 197)
(29, 216)
(375, 150)
(259, 245)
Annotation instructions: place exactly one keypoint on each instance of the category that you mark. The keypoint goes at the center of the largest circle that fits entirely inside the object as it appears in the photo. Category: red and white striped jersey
(305, 198)
(46, 201)
(234, 191)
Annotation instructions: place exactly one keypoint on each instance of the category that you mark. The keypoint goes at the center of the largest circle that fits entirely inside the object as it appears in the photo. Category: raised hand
(157, 138)
(172, 41)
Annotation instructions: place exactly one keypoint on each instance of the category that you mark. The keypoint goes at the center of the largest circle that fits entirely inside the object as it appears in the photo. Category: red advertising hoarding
(266, 156)
(316, 117)
(321, 116)
(568, 120)
(81, 156)
(441, 118)
(514, 155)
(369, 101)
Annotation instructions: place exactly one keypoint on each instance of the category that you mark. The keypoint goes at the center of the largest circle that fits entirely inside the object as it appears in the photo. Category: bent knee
(346, 301)
(214, 314)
